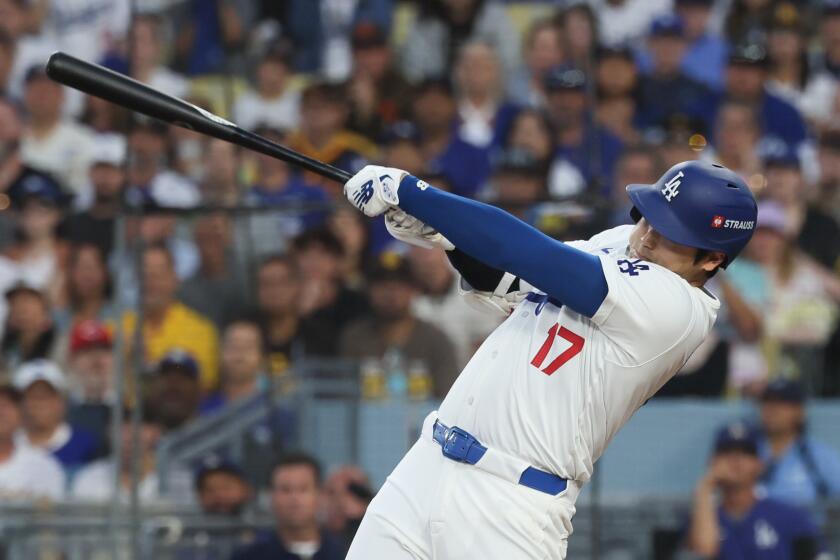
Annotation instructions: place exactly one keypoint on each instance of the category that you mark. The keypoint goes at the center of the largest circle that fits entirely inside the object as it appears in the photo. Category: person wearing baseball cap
(43, 387)
(91, 373)
(25, 473)
(666, 90)
(29, 333)
(743, 524)
(799, 469)
(705, 55)
(221, 487)
(176, 389)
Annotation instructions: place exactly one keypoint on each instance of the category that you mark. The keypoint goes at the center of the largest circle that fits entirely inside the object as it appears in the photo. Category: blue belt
(462, 447)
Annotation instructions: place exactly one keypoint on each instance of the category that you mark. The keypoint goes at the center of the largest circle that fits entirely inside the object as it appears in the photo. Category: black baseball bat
(131, 94)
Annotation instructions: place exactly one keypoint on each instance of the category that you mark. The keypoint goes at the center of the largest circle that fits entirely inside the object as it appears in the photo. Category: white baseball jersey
(553, 387)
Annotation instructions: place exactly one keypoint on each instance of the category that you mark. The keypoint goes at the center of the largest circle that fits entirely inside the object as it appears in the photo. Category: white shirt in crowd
(283, 112)
(95, 482)
(171, 83)
(65, 153)
(476, 123)
(30, 474)
(87, 28)
(627, 21)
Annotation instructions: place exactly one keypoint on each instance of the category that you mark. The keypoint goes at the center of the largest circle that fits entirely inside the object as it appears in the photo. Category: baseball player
(595, 328)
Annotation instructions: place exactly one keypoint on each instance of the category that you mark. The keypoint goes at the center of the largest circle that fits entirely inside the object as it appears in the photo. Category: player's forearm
(504, 242)
(704, 532)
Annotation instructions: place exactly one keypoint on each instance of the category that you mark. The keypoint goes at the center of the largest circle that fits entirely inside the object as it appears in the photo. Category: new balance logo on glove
(364, 194)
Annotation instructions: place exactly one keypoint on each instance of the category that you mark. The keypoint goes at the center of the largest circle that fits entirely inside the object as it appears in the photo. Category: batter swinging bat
(131, 94)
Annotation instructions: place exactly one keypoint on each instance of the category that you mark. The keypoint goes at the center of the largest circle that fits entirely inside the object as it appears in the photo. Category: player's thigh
(480, 515)
(378, 537)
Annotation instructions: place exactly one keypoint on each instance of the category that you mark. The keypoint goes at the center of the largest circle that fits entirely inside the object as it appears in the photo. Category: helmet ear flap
(635, 215)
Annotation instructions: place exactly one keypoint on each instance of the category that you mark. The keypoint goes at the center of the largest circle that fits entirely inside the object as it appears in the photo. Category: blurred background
(202, 348)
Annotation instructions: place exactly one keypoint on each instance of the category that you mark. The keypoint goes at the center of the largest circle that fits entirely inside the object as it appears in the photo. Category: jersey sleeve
(648, 309)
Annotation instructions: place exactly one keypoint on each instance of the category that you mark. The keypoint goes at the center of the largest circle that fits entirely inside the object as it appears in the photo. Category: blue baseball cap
(784, 390)
(567, 78)
(35, 184)
(667, 25)
(180, 361)
(776, 152)
(738, 436)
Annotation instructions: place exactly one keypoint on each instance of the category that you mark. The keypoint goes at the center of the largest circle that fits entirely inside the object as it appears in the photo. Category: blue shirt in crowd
(779, 119)
(704, 61)
(769, 531)
(807, 472)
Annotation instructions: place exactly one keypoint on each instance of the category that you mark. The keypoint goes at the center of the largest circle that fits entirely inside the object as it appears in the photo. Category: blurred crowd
(240, 265)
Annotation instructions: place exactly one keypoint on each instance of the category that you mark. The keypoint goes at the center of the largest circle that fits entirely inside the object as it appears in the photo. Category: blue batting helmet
(701, 205)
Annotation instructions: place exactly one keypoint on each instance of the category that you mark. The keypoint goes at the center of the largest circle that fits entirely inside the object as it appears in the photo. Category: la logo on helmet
(672, 187)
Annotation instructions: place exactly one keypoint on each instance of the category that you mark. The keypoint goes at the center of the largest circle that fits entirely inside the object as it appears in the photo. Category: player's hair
(299, 458)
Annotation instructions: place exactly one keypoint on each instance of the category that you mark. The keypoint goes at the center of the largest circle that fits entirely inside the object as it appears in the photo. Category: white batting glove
(409, 229)
(373, 190)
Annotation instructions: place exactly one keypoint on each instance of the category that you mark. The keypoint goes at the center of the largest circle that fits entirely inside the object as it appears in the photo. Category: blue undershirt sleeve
(502, 241)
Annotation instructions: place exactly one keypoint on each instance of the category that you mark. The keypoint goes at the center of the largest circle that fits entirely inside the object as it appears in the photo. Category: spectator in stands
(392, 330)
(274, 102)
(622, 22)
(26, 473)
(746, 76)
(637, 165)
(788, 71)
(401, 147)
(519, 183)
(705, 55)
(43, 389)
(666, 90)
(146, 64)
(444, 25)
(95, 482)
(544, 49)
(803, 301)
(321, 35)
(532, 130)
(188, 147)
(587, 146)
(91, 378)
(748, 20)
(38, 254)
(816, 232)
(682, 140)
(277, 184)
(296, 489)
(50, 142)
(434, 111)
(325, 296)
(579, 26)
(829, 25)
(95, 224)
(737, 132)
(347, 494)
(617, 74)
(168, 323)
(828, 156)
(221, 487)
(104, 118)
(29, 332)
(351, 230)
(7, 59)
(322, 133)
(221, 183)
(380, 95)
(242, 366)
(175, 389)
(819, 103)
(286, 333)
(88, 290)
(150, 178)
(483, 114)
(11, 163)
(217, 290)
(744, 524)
(798, 469)
(440, 302)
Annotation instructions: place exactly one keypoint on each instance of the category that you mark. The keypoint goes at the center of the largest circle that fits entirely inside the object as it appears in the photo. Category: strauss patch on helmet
(739, 224)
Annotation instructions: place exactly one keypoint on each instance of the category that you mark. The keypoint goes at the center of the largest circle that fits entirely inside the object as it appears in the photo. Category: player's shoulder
(610, 240)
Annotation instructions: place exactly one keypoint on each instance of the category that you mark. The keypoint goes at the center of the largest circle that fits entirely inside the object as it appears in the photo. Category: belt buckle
(456, 444)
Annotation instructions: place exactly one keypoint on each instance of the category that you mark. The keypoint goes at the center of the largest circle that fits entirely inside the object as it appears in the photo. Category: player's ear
(712, 260)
